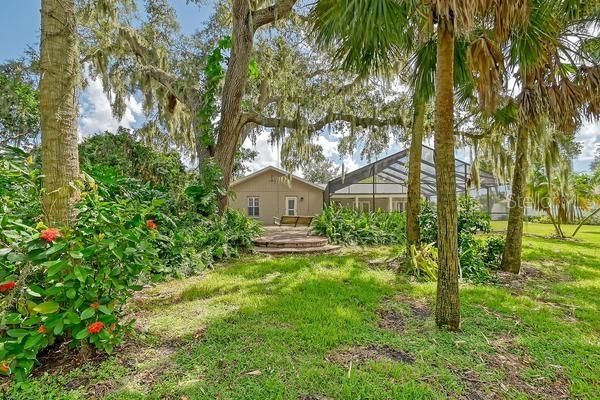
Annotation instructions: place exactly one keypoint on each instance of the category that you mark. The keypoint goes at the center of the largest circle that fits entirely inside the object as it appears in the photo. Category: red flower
(50, 235)
(4, 367)
(42, 329)
(6, 287)
(150, 224)
(96, 327)
(95, 305)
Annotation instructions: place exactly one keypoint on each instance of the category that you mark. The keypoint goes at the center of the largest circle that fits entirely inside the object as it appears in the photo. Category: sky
(19, 28)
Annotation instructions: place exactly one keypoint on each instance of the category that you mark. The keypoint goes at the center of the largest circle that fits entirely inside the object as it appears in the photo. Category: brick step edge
(297, 250)
(291, 243)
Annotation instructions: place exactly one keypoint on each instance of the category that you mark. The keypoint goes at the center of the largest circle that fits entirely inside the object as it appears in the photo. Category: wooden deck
(292, 240)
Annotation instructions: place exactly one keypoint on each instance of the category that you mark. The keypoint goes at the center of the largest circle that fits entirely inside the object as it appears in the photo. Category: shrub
(122, 153)
(20, 182)
(476, 255)
(470, 220)
(199, 245)
(493, 247)
(350, 226)
(428, 223)
(72, 284)
(472, 266)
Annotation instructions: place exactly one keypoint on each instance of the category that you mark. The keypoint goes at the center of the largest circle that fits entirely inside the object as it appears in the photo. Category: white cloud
(330, 147)
(267, 153)
(589, 137)
(96, 114)
(350, 164)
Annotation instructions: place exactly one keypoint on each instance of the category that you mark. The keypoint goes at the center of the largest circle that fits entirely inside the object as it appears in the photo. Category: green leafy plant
(72, 284)
(350, 226)
(421, 262)
(493, 247)
(205, 192)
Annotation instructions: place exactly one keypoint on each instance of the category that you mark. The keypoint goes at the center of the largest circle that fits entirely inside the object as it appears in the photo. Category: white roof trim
(272, 168)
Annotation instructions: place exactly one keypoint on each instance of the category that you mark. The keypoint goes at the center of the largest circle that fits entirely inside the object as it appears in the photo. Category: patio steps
(281, 241)
(281, 251)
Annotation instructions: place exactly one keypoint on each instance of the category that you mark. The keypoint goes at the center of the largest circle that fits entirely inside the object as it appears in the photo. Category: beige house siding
(272, 187)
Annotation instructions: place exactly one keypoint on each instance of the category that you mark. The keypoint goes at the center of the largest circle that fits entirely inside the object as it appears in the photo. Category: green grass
(273, 329)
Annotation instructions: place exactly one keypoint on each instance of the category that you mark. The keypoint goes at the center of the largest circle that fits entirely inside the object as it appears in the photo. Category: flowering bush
(71, 285)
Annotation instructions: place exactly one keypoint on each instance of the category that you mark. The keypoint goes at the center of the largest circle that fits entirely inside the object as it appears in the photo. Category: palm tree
(553, 74)
(452, 18)
(350, 25)
(59, 65)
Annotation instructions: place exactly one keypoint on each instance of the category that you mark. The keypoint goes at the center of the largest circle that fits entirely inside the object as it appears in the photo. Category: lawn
(346, 327)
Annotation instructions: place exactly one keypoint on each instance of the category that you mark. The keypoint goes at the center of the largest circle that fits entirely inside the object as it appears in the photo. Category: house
(380, 185)
(272, 192)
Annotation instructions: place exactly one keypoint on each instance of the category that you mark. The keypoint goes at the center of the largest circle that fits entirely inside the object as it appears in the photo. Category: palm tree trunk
(556, 225)
(59, 65)
(583, 221)
(447, 312)
(414, 174)
(511, 259)
(234, 87)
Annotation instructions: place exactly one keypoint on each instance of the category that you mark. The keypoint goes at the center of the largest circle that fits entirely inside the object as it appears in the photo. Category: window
(399, 205)
(253, 207)
(364, 206)
(291, 208)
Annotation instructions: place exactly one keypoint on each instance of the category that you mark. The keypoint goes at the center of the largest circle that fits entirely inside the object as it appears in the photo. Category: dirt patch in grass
(512, 360)
(420, 308)
(520, 280)
(390, 317)
(101, 389)
(392, 320)
(364, 354)
(314, 397)
(514, 363)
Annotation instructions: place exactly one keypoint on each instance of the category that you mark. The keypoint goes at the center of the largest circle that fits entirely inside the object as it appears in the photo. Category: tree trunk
(563, 215)
(583, 221)
(414, 174)
(511, 259)
(234, 87)
(556, 225)
(447, 311)
(203, 152)
(59, 65)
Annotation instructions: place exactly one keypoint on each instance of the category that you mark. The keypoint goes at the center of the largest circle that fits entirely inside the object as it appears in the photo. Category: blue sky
(19, 28)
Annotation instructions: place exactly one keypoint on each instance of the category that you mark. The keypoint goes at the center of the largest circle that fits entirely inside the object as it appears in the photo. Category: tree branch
(269, 14)
(163, 77)
(363, 122)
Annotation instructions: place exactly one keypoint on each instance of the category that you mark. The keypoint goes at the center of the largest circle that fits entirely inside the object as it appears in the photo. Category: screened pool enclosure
(382, 185)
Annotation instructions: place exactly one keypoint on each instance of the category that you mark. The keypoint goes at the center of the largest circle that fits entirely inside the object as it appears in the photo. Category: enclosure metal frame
(394, 169)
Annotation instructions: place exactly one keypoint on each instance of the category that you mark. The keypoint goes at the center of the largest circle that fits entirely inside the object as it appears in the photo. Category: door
(291, 204)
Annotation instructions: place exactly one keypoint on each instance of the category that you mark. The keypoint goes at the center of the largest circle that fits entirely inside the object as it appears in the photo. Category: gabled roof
(279, 170)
